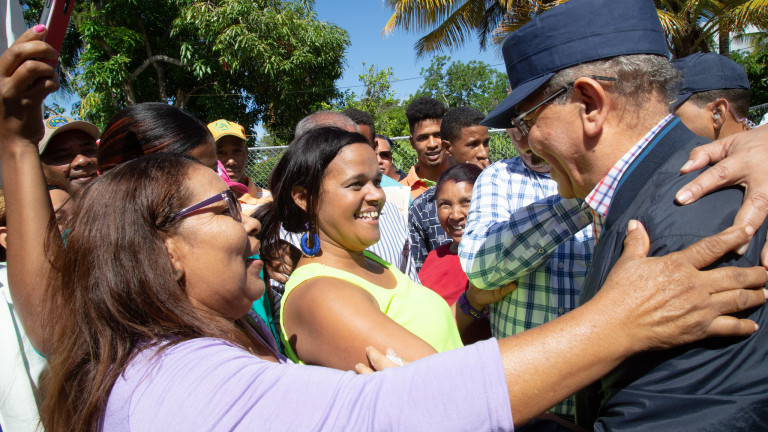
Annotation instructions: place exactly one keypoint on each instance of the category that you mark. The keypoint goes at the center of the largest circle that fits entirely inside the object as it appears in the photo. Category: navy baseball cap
(575, 32)
(708, 71)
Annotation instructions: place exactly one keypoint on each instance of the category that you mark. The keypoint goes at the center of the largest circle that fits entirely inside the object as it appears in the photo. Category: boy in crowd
(424, 116)
(463, 140)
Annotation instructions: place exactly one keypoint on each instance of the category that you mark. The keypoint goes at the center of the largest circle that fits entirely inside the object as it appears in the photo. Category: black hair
(465, 172)
(361, 117)
(303, 164)
(146, 128)
(457, 119)
(737, 98)
(424, 108)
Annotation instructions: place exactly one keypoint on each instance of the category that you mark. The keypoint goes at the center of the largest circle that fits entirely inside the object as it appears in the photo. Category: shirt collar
(599, 200)
(416, 181)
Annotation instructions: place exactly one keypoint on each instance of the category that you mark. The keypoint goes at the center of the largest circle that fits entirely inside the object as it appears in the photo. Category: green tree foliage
(378, 99)
(249, 61)
(756, 65)
(474, 84)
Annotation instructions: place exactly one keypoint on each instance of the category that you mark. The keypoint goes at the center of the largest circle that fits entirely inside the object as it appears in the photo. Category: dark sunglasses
(227, 196)
(385, 154)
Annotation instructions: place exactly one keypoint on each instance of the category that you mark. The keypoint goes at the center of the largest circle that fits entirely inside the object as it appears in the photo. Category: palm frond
(521, 13)
(453, 31)
(751, 12)
(493, 16)
(419, 15)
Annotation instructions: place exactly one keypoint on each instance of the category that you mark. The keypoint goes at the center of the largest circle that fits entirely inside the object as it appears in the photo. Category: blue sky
(364, 20)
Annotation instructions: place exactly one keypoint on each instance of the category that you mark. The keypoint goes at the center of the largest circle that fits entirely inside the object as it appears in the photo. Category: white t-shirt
(20, 367)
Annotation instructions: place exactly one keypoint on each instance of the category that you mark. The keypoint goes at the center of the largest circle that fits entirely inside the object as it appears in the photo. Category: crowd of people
(604, 279)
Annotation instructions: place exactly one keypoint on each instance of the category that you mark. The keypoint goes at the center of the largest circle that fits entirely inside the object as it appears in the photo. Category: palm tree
(691, 25)
(450, 23)
(694, 25)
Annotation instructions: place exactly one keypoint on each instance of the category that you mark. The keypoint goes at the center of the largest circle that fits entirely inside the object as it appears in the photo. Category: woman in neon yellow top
(340, 299)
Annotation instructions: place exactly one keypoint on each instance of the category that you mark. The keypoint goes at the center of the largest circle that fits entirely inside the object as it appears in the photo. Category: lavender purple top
(209, 384)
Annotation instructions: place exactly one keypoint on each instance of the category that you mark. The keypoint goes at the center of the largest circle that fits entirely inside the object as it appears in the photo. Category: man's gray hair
(638, 76)
(323, 118)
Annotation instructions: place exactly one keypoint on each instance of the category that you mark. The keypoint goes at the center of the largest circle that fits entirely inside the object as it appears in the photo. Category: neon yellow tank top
(417, 308)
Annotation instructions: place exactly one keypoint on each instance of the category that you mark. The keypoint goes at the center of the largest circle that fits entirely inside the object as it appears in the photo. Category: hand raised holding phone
(55, 18)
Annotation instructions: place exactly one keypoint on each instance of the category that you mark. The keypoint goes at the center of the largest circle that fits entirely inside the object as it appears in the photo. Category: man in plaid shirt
(519, 229)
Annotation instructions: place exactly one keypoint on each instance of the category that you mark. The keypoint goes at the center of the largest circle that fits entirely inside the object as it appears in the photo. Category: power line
(390, 82)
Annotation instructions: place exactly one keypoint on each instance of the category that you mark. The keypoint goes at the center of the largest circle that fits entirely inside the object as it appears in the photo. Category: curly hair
(424, 108)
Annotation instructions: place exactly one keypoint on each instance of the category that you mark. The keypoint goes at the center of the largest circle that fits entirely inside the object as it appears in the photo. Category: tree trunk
(724, 42)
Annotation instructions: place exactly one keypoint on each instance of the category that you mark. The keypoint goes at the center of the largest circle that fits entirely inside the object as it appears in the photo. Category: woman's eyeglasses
(385, 154)
(227, 196)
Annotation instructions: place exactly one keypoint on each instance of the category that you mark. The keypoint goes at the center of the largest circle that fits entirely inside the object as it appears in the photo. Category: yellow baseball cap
(222, 127)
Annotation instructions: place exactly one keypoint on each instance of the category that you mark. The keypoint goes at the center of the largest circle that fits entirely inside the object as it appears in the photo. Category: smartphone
(55, 17)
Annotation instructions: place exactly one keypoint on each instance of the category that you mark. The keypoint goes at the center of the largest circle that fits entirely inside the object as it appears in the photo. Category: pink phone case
(56, 19)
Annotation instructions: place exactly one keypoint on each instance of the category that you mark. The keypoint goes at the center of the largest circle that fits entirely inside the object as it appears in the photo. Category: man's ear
(719, 113)
(172, 246)
(299, 195)
(4, 237)
(591, 94)
(448, 147)
(413, 144)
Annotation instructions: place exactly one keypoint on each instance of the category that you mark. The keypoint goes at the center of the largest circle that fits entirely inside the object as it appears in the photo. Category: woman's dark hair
(114, 287)
(147, 128)
(303, 164)
(465, 172)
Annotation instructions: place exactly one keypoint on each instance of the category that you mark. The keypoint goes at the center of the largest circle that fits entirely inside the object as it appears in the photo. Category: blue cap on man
(587, 30)
(708, 71)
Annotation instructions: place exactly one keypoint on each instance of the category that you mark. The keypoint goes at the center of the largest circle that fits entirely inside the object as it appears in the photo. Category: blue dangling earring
(309, 237)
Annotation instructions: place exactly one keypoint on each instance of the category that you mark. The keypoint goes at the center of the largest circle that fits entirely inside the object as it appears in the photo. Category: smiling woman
(343, 299)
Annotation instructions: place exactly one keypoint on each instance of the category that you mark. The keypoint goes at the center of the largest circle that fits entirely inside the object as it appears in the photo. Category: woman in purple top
(144, 315)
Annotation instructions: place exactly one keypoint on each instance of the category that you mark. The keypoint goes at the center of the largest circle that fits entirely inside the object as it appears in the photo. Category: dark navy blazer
(714, 385)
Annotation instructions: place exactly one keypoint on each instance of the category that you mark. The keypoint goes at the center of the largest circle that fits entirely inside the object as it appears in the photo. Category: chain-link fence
(261, 160)
(757, 112)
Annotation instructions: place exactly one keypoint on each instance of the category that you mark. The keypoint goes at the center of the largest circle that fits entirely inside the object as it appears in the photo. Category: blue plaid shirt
(520, 229)
(424, 230)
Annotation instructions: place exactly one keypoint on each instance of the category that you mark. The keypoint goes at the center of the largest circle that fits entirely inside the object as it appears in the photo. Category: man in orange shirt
(424, 117)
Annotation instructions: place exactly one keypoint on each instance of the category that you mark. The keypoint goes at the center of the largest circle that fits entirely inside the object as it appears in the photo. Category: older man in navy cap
(714, 99)
(591, 86)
